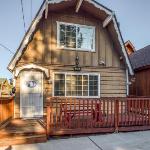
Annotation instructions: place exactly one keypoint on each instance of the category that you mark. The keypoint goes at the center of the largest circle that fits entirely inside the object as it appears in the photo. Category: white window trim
(73, 73)
(77, 25)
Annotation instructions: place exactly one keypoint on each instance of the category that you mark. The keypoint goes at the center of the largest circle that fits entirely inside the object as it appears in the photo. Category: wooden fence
(6, 109)
(78, 116)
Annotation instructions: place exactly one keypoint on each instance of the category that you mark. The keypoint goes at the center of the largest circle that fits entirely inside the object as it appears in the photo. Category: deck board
(20, 131)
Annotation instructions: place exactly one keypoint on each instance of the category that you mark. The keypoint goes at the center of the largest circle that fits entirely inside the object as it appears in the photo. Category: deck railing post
(48, 121)
(116, 115)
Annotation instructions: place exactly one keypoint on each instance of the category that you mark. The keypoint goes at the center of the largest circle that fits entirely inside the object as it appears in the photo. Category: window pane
(76, 85)
(85, 93)
(85, 38)
(93, 85)
(62, 35)
(59, 85)
(85, 77)
(85, 87)
(67, 36)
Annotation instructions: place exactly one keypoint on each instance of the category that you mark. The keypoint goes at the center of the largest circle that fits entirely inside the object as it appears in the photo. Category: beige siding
(43, 51)
(43, 47)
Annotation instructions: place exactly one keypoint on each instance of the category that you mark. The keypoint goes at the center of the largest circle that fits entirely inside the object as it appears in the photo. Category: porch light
(102, 62)
(77, 67)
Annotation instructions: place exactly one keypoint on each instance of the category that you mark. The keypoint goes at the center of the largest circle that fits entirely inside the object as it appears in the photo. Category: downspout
(127, 82)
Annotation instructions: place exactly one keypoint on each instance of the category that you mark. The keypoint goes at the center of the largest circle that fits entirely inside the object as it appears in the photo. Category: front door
(31, 94)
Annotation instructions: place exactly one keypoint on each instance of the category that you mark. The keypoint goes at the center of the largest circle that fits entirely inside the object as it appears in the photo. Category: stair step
(23, 140)
(12, 134)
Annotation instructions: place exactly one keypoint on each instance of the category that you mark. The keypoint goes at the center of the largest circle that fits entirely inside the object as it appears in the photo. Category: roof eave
(10, 67)
(26, 38)
(120, 38)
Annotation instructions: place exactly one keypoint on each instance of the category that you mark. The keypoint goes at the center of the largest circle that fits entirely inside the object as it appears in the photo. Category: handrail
(74, 115)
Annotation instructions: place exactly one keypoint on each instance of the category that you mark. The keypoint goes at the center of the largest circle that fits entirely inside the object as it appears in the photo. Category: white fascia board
(123, 47)
(27, 38)
(56, 1)
(99, 6)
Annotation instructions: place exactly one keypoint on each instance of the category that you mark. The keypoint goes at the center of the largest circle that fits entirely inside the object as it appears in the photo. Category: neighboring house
(5, 87)
(140, 60)
(130, 47)
(72, 49)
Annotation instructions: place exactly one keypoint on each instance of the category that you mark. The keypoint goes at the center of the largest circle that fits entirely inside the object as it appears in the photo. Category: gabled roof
(130, 47)
(101, 11)
(141, 58)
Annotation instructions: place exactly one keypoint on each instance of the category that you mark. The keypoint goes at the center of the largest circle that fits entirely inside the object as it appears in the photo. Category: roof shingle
(140, 58)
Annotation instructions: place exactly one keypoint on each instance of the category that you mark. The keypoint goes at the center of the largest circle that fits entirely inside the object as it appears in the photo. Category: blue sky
(133, 15)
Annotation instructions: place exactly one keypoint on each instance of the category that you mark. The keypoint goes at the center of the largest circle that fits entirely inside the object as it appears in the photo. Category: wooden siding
(141, 86)
(112, 84)
(43, 47)
(42, 50)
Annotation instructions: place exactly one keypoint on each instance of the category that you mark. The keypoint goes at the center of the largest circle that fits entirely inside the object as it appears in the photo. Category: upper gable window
(75, 36)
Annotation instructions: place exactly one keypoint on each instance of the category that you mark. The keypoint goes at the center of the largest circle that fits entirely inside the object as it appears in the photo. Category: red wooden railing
(76, 116)
(6, 109)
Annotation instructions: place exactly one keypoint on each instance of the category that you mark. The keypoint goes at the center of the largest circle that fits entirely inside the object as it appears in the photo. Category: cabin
(72, 74)
(140, 60)
(76, 54)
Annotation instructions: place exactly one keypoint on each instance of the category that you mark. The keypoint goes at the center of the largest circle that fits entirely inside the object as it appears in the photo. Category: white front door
(31, 94)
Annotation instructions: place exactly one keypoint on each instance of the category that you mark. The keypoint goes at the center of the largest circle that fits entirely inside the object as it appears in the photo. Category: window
(74, 36)
(76, 85)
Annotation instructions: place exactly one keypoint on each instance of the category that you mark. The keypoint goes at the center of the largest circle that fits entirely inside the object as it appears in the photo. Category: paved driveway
(120, 141)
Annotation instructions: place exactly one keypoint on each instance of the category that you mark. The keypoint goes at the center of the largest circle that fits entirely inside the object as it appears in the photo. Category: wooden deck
(22, 132)
(79, 116)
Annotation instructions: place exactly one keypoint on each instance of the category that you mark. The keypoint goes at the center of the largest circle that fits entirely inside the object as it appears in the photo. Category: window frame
(77, 25)
(73, 73)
